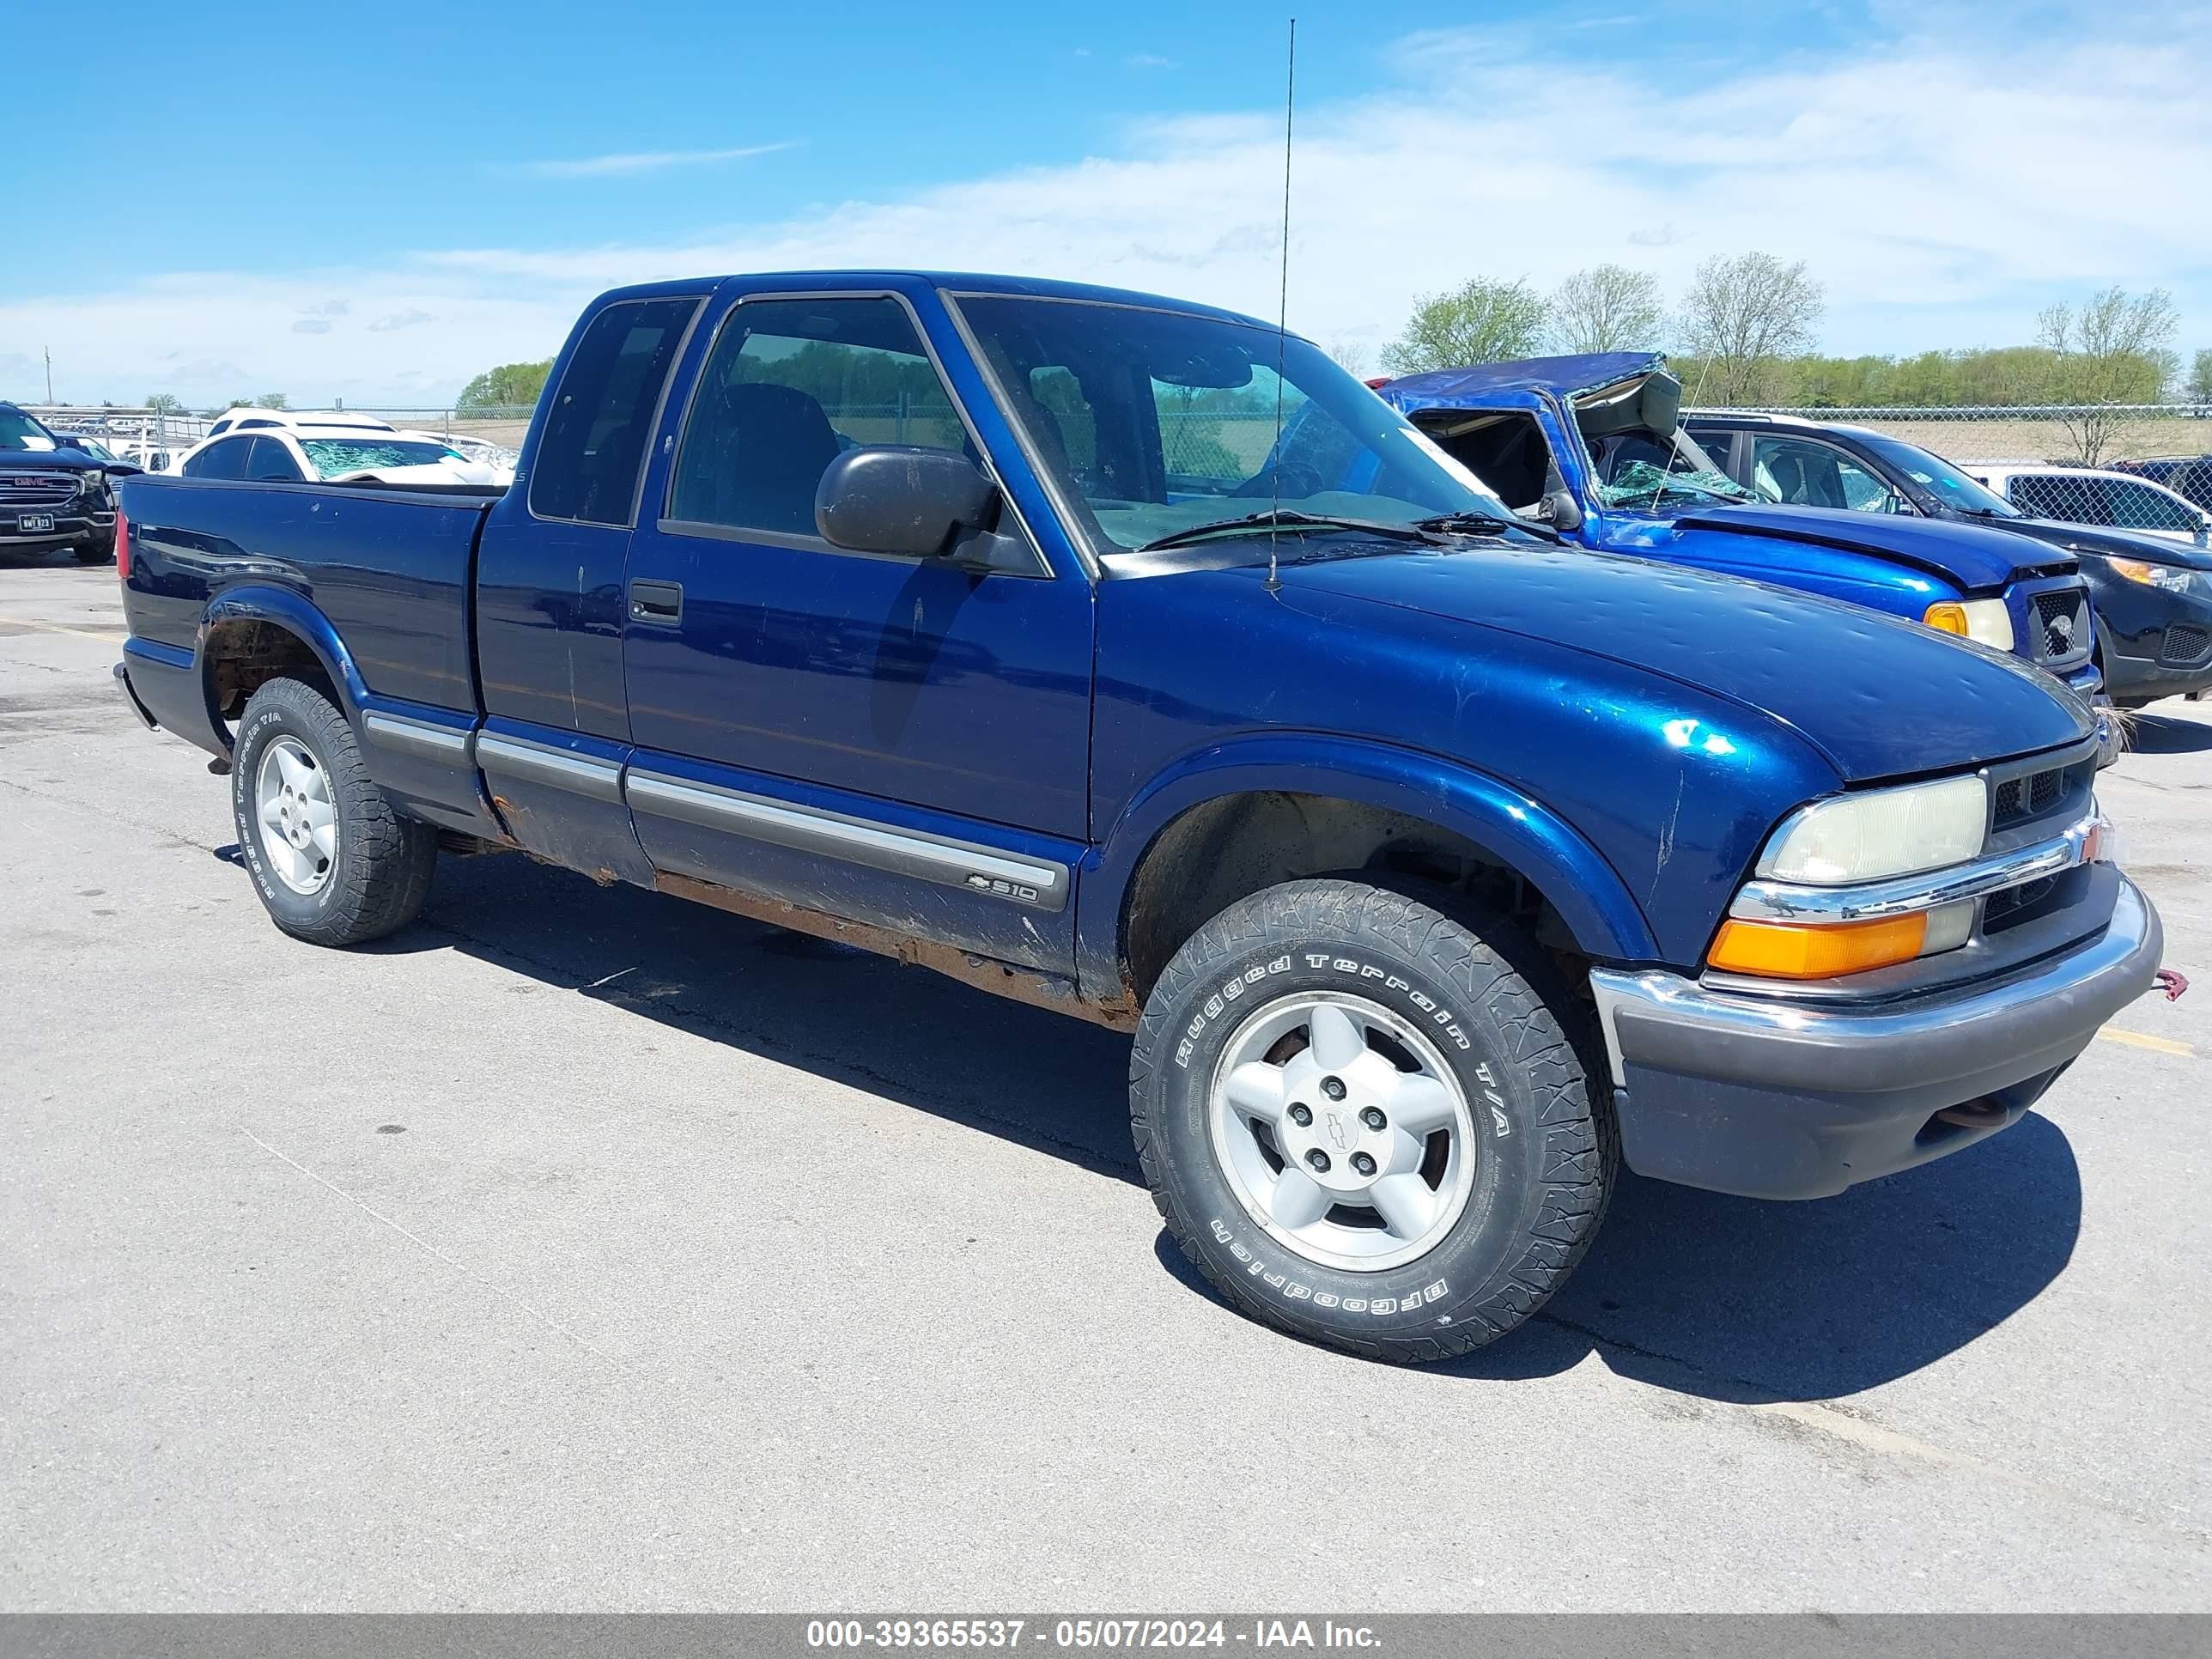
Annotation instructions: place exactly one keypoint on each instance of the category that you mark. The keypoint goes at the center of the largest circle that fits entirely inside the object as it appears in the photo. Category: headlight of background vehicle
(1985, 620)
(1853, 839)
(2169, 577)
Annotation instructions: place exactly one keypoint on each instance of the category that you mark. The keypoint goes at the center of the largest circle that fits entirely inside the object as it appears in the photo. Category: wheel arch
(252, 635)
(1243, 816)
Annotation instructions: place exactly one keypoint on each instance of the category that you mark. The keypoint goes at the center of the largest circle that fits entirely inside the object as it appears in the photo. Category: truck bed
(389, 567)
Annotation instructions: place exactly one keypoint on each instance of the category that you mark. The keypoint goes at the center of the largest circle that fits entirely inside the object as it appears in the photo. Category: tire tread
(1498, 967)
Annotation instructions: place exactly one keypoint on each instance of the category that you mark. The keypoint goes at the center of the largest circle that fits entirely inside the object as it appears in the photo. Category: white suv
(2085, 495)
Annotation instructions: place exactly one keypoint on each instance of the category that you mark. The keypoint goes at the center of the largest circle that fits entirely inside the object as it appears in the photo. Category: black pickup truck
(50, 494)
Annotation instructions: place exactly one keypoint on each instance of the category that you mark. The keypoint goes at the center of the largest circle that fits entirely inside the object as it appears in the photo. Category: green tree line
(1743, 331)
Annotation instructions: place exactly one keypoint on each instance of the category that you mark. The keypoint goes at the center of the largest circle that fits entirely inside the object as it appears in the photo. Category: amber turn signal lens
(1946, 616)
(1777, 950)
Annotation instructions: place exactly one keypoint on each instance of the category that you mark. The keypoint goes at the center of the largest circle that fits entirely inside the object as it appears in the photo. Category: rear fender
(284, 609)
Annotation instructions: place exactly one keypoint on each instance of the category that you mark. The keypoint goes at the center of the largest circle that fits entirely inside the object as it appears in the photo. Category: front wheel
(103, 554)
(333, 863)
(1363, 1121)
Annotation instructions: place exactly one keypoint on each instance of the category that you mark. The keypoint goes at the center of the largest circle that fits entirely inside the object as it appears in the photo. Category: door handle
(656, 601)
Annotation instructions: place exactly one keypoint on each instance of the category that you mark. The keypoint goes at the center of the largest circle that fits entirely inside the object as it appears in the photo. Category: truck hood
(1879, 698)
(48, 460)
(2111, 543)
(1973, 559)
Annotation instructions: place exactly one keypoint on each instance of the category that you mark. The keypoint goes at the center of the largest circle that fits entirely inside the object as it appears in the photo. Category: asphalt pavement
(580, 1247)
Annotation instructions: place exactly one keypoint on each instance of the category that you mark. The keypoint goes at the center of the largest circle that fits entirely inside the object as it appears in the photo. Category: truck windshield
(19, 431)
(1153, 423)
(334, 458)
(1940, 479)
(1639, 469)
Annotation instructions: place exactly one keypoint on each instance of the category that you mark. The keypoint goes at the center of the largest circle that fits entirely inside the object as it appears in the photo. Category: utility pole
(49, 351)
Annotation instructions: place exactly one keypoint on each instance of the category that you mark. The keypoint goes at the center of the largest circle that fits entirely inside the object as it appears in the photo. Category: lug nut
(1319, 1159)
(1333, 1087)
(1373, 1118)
(1364, 1163)
(1301, 1113)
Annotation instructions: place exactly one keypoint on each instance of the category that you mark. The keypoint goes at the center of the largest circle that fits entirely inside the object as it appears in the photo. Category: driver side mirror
(1562, 511)
(890, 498)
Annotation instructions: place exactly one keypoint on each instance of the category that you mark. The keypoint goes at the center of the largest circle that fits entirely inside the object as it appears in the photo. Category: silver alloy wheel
(298, 819)
(1342, 1131)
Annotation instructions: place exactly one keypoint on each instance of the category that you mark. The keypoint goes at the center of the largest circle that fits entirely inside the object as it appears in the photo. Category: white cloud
(655, 161)
(1152, 60)
(1941, 190)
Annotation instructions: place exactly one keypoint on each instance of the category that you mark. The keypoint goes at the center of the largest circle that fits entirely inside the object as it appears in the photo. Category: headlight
(1985, 620)
(1883, 832)
(93, 480)
(2153, 576)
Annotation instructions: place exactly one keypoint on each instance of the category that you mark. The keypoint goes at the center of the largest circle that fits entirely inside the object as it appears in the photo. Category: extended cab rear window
(603, 409)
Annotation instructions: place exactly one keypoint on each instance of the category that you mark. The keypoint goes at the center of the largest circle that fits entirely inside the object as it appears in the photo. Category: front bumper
(74, 525)
(1776, 1098)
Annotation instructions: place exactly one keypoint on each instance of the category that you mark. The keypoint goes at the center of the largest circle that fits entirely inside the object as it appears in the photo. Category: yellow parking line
(56, 628)
(2138, 1040)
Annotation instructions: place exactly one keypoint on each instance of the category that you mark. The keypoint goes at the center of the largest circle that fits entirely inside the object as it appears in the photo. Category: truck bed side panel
(390, 570)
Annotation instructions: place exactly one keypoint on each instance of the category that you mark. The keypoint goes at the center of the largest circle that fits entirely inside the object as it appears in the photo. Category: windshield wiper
(1289, 518)
(1469, 523)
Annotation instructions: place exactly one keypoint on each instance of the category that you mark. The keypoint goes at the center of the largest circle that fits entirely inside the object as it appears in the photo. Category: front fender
(259, 602)
(1516, 828)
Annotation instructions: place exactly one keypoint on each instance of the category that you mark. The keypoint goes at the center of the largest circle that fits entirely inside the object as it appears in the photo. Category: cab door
(550, 600)
(898, 741)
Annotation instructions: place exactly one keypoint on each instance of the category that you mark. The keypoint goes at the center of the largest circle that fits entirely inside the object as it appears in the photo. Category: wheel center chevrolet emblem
(1340, 1131)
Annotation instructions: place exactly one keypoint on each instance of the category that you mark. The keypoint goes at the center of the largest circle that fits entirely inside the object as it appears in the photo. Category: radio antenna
(1282, 315)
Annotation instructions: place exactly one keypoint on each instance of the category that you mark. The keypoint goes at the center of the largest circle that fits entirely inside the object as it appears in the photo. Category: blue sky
(376, 205)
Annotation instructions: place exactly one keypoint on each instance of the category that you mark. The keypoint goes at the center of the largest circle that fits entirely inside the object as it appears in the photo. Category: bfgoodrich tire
(1362, 1120)
(333, 863)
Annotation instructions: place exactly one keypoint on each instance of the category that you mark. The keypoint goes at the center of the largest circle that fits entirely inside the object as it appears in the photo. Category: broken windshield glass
(1640, 483)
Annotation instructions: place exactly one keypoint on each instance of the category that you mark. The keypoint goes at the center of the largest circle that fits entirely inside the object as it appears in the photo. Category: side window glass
(2135, 507)
(271, 462)
(2054, 495)
(601, 415)
(790, 384)
(1806, 474)
(224, 461)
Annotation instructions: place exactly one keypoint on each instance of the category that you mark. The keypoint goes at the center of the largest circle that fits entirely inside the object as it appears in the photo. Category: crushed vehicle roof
(1451, 388)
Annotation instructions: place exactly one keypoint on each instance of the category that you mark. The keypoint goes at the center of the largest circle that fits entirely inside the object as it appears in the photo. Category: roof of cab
(1567, 376)
(952, 282)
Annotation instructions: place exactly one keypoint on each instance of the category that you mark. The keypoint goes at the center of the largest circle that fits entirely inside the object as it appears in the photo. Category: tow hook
(2174, 984)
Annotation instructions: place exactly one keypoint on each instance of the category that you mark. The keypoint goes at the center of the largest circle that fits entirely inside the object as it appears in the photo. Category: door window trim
(700, 529)
(660, 407)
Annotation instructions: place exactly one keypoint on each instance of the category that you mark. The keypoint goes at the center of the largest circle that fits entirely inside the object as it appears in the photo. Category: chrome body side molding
(1037, 884)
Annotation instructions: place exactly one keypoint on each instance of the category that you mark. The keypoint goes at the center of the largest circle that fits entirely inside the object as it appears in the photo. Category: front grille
(2054, 791)
(2185, 643)
(36, 489)
(2061, 623)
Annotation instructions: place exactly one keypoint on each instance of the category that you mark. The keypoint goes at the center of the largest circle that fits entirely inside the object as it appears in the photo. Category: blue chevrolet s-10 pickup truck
(1436, 866)
(1593, 445)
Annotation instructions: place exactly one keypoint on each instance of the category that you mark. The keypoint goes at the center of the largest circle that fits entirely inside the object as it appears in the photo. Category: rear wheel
(1362, 1120)
(332, 861)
